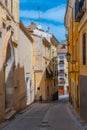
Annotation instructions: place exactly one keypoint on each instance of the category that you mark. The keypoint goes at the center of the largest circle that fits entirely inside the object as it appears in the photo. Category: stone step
(10, 115)
(7, 110)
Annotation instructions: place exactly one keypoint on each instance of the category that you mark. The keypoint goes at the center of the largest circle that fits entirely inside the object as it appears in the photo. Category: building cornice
(45, 42)
(46, 58)
(54, 41)
(69, 6)
(25, 31)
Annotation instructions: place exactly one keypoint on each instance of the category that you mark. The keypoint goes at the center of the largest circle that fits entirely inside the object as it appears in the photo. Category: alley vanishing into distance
(43, 59)
(47, 116)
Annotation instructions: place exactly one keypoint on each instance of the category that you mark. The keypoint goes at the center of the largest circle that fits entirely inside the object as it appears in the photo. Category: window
(61, 57)
(62, 65)
(61, 62)
(54, 82)
(61, 78)
(63, 47)
(11, 6)
(82, 4)
(6, 3)
(80, 8)
(4, 25)
(84, 49)
(62, 71)
(61, 81)
(61, 75)
(77, 50)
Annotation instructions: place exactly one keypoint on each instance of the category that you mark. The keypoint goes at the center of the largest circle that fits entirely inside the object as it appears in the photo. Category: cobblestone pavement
(47, 116)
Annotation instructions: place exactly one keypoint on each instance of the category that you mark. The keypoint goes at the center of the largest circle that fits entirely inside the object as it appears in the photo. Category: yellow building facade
(76, 24)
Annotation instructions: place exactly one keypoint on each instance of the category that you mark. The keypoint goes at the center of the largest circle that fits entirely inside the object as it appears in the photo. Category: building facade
(63, 86)
(25, 55)
(11, 75)
(76, 24)
(44, 63)
(28, 62)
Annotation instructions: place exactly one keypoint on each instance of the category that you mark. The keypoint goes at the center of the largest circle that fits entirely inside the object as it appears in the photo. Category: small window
(6, 3)
(11, 6)
(63, 47)
(84, 49)
(4, 25)
(61, 57)
(62, 65)
(77, 51)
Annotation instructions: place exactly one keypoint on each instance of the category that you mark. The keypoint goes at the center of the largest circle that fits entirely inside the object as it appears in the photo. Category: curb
(76, 115)
(4, 124)
(28, 107)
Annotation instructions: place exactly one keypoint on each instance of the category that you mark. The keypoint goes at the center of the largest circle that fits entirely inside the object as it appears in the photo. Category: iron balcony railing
(61, 72)
(80, 9)
(61, 82)
(49, 73)
(61, 62)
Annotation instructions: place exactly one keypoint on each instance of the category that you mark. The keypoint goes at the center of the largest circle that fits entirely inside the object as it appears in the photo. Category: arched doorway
(9, 62)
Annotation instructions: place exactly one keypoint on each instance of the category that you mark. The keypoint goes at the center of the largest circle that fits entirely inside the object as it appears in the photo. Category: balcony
(61, 81)
(80, 9)
(49, 73)
(61, 72)
(61, 62)
(55, 73)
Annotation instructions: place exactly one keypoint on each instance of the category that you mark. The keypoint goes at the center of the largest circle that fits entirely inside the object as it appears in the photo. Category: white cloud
(58, 31)
(55, 14)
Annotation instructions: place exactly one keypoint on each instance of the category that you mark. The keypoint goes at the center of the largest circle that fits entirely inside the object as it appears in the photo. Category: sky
(51, 13)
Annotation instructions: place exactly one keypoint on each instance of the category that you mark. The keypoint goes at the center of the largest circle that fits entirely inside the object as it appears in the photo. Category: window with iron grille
(84, 49)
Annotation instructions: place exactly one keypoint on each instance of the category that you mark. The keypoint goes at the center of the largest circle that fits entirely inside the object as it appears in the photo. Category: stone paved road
(52, 116)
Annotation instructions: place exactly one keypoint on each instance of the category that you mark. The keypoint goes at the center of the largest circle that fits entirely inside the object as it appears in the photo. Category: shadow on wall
(2, 94)
(13, 90)
(46, 83)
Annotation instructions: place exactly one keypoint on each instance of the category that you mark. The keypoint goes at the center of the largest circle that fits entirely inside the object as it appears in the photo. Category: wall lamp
(68, 57)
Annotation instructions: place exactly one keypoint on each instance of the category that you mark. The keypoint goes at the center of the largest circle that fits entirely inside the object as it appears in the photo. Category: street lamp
(68, 56)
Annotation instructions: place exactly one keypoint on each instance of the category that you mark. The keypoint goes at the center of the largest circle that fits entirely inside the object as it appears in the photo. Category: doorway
(9, 62)
(28, 89)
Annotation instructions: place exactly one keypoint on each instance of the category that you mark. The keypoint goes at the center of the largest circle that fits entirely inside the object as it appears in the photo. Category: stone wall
(19, 89)
(2, 95)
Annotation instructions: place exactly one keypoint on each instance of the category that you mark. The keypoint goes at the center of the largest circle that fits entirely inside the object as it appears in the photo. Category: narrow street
(43, 116)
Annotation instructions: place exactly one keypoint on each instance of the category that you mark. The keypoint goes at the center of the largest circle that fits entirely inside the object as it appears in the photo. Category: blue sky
(51, 15)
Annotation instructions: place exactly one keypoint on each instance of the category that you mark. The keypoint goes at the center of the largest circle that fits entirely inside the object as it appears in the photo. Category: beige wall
(42, 58)
(8, 44)
(38, 53)
(25, 60)
(38, 67)
(25, 52)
